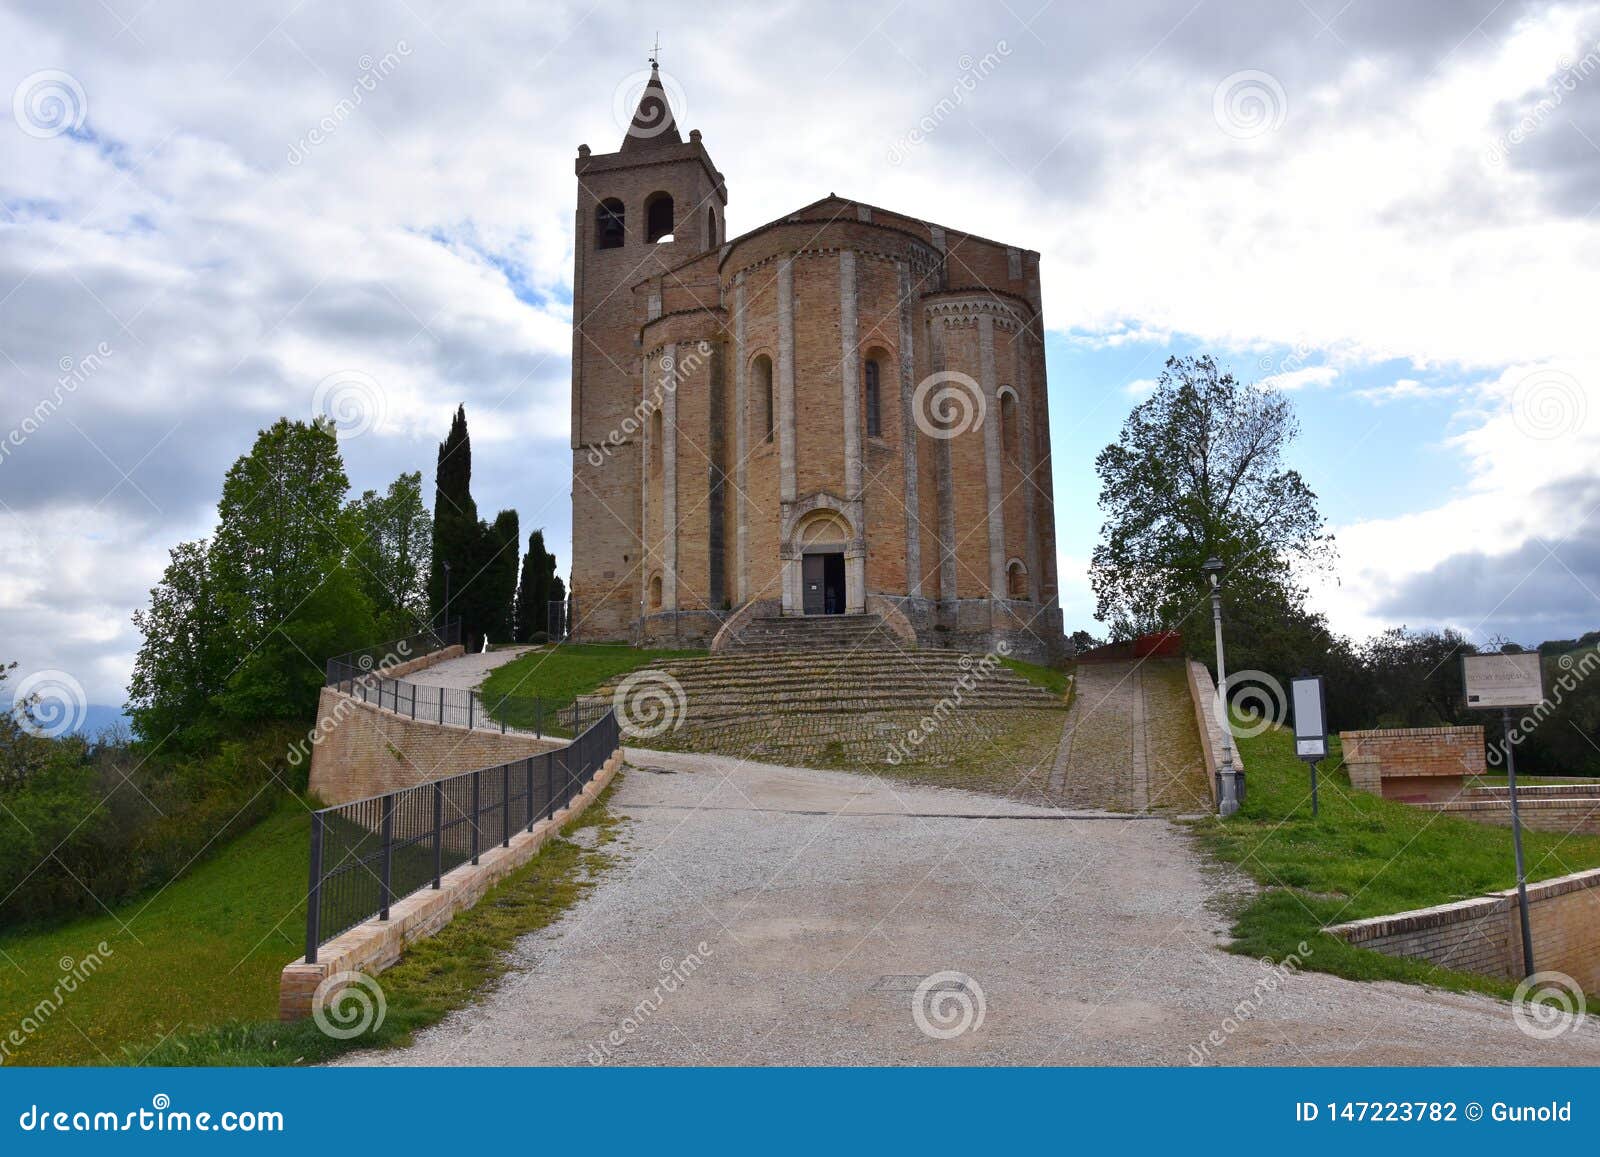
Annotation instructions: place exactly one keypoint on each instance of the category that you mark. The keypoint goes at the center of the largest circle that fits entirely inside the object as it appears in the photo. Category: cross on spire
(655, 52)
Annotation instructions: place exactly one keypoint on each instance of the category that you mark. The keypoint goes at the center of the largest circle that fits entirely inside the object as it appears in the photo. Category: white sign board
(1502, 680)
(1310, 728)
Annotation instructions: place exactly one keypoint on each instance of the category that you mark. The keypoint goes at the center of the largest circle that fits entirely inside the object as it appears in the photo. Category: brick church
(841, 412)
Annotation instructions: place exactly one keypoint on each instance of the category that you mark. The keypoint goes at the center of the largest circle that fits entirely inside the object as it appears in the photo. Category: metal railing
(459, 707)
(370, 854)
(381, 657)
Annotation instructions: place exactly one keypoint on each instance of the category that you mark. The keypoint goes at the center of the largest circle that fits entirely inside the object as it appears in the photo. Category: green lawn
(528, 691)
(1363, 856)
(206, 948)
(191, 977)
(1056, 680)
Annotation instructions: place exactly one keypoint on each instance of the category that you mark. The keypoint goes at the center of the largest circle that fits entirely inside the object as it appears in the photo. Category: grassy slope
(1056, 680)
(1363, 856)
(436, 975)
(558, 675)
(206, 947)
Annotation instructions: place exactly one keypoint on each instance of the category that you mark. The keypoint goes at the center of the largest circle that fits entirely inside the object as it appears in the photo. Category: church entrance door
(823, 578)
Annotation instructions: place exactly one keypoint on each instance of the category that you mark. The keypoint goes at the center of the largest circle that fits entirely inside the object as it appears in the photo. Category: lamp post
(447, 598)
(1230, 781)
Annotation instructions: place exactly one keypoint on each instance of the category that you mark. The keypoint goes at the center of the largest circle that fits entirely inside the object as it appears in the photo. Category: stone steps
(738, 689)
(810, 632)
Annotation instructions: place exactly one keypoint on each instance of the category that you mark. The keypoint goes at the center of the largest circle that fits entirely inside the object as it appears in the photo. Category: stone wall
(1413, 764)
(362, 750)
(1203, 691)
(1484, 935)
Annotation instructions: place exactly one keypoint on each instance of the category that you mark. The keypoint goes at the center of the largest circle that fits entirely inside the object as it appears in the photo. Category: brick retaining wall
(363, 750)
(1413, 763)
(1484, 935)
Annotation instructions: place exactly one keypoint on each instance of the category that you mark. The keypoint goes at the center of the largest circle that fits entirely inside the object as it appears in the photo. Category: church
(841, 412)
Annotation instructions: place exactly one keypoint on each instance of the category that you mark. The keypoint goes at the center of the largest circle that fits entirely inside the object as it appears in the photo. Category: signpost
(1505, 681)
(1310, 725)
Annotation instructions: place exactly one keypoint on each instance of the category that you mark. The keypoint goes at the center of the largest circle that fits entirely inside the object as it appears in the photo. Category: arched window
(655, 440)
(762, 374)
(1010, 431)
(658, 217)
(711, 228)
(873, 373)
(608, 224)
(1016, 579)
(655, 592)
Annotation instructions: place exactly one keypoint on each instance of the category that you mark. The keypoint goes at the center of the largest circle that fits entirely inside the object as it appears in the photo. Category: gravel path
(467, 671)
(773, 915)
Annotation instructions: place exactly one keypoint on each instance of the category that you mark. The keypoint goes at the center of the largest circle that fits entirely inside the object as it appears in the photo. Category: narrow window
(608, 224)
(658, 217)
(711, 228)
(1017, 580)
(655, 592)
(655, 441)
(763, 391)
(1009, 434)
(874, 409)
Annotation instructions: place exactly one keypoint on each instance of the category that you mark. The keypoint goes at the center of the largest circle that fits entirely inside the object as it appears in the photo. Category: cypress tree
(457, 533)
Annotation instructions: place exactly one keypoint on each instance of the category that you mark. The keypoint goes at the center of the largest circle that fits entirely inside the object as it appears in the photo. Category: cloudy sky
(211, 215)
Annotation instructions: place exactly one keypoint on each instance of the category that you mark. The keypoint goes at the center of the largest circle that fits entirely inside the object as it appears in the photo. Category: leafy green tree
(1198, 472)
(281, 571)
(183, 663)
(392, 554)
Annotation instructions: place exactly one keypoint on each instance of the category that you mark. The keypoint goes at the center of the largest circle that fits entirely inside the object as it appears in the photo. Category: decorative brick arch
(823, 520)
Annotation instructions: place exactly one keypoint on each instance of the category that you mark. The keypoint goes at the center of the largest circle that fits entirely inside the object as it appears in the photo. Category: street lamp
(447, 598)
(1230, 780)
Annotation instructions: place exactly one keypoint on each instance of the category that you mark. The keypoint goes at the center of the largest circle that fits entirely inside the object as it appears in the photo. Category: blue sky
(1392, 210)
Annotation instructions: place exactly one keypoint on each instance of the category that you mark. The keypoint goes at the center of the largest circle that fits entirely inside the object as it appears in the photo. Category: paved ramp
(758, 914)
(1130, 742)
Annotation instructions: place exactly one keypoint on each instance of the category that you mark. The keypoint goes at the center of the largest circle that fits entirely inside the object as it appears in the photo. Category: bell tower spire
(653, 124)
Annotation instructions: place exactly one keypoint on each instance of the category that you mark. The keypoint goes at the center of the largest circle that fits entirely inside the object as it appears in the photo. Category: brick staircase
(850, 683)
(813, 633)
(1551, 807)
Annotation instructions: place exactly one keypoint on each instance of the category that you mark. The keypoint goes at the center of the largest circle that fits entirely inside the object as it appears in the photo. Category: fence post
(476, 797)
(528, 769)
(413, 700)
(441, 706)
(550, 783)
(385, 878)
(438, 832)
(314, 895)
(538, 717)
(469, 709)
(505, 799)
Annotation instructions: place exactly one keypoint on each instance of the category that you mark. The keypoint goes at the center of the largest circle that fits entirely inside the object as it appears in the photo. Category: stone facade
(841, 405)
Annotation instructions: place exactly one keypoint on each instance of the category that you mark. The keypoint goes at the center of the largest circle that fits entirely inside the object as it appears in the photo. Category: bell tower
(642, 211)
